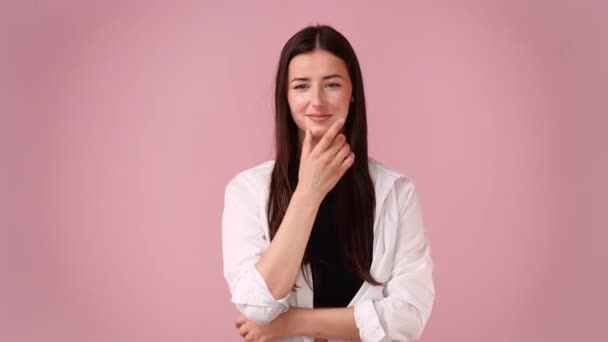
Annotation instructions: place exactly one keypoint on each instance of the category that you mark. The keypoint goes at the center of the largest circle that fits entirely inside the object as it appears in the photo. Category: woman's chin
(318, 132)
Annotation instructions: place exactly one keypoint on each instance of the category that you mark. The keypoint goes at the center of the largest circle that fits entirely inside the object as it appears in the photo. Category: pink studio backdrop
(121, 122)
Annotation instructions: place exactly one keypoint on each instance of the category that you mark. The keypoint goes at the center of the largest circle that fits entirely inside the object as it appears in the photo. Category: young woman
(325, 242)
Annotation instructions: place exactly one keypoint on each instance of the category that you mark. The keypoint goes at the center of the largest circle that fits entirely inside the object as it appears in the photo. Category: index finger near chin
(330, 135)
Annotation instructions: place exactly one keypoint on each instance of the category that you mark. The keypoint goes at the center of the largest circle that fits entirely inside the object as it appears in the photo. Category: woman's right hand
(322, 166)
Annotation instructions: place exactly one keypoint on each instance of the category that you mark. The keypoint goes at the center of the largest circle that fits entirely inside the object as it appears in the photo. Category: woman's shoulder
(383, 174)
(256, 178)
(389, 180)
(391, 183)
(260, 170)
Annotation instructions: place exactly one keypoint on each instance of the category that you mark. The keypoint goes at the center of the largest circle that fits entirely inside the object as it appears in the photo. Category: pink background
(121, 122)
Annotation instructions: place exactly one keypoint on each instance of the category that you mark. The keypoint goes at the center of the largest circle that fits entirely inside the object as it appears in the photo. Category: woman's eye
(333, 85)
(300, 86)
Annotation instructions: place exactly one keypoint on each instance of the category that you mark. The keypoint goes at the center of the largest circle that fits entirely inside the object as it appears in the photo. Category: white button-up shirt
(397, 311)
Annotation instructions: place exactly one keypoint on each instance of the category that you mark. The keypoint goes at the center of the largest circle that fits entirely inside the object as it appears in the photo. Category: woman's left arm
(338, 323)
(409, 294)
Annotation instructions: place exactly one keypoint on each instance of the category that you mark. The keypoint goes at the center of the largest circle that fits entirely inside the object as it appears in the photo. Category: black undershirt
(335, 282)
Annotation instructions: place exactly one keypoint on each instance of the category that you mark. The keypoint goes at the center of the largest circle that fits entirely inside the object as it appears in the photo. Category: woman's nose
(318, 98)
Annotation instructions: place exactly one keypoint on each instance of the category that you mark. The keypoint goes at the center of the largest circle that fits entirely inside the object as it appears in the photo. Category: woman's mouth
(319, 117)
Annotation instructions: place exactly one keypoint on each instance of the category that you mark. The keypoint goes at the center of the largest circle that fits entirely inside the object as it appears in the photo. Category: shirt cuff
(254, 299)
(366, 319)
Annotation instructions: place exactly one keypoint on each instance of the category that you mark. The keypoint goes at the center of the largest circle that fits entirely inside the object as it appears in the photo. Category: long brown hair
(355, 196)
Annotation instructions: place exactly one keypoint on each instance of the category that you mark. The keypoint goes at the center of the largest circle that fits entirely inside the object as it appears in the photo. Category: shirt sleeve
(409, 294)
(243, 243)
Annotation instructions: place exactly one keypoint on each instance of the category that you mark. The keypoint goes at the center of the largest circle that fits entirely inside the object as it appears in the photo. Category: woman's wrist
(320, 323)
(294, 322)
(286, 325)
(307, 197)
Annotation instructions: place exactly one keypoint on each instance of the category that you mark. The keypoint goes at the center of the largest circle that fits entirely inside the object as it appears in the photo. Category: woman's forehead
(316, 65)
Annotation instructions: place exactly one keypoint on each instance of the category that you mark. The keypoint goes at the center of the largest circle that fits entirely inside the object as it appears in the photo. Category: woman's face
(319, 91)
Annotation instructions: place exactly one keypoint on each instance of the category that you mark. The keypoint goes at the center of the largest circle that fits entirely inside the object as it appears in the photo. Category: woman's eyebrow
(308, 79)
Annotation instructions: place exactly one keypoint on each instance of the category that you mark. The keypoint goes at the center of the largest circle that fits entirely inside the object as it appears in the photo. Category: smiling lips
(318, 117)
